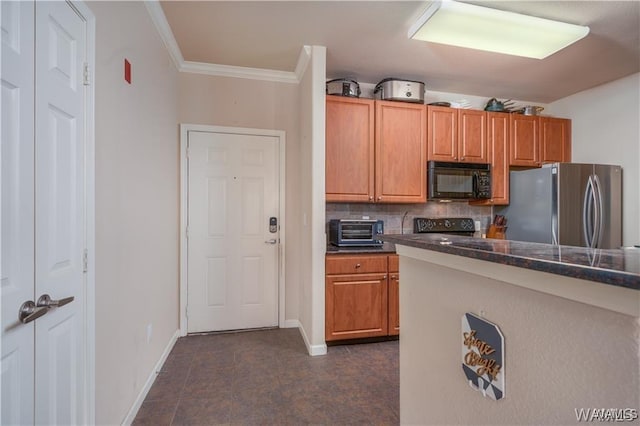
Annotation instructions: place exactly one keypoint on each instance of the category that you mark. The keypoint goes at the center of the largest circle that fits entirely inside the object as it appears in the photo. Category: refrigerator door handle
(587, 213)
(599, 212)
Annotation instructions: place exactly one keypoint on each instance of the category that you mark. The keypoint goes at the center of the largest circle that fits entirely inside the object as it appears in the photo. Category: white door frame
(184, 211)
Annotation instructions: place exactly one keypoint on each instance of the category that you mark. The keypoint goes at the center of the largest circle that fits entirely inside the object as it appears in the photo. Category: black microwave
(348, 232)
(458, 181)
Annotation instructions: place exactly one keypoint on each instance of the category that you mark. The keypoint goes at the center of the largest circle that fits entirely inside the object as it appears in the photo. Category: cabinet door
(401, 153)
(524, 140)
(498, 156)
(349, 149)
(555, 140)
(442, 133)
(394, 296)
(356, 306)
(472, 136)
(394, 304)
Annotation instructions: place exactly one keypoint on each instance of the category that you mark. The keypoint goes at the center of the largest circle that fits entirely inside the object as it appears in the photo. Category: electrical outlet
(149, 332)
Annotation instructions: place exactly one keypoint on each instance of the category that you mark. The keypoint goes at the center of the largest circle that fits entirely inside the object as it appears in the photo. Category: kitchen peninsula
(570, 318)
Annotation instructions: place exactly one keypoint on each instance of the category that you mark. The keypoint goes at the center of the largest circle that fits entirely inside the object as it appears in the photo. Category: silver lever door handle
(271, 241)
(45, 301)
(29, 312)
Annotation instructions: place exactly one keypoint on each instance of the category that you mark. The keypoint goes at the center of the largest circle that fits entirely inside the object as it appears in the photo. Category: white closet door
(43, 217)
(60, 216)
(17, 252)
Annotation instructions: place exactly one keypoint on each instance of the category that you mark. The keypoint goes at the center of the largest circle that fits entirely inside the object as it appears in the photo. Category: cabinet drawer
(355, 264)
(394, 263)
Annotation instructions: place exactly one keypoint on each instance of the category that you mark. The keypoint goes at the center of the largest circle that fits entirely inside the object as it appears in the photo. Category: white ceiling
(367, 41)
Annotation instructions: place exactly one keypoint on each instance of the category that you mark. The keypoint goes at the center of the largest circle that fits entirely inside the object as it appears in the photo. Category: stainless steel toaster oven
(349, 232)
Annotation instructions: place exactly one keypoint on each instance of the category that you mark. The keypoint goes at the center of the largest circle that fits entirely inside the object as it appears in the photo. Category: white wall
(606, 129)
(560, 355)
(136, 205)
(312, 170)
(237, 102)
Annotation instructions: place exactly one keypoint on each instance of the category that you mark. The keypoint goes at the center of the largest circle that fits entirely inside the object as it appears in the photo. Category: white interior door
(233, 192)
(43, 213)
(17, 252)
(60, 215)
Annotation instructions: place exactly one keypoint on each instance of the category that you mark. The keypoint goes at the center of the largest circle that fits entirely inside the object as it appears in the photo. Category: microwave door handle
(474, 189)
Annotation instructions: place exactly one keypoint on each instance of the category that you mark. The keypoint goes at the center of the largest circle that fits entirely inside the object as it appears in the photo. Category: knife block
(497, 232)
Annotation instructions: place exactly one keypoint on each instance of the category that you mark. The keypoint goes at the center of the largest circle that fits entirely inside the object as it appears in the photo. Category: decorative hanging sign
(483, 356)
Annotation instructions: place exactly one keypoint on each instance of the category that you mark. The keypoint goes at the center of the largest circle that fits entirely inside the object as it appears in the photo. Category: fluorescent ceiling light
(482, 28)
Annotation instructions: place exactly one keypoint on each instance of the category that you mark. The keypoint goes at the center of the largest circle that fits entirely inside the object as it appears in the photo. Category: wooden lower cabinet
(358, 297)
(394, 296)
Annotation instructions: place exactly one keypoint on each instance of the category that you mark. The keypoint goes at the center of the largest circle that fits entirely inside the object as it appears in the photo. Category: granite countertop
(618, 267)
(386, 248)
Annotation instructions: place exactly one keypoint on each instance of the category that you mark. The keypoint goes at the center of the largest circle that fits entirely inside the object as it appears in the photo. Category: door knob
(45, 301)
(29, 312)
(271, 241)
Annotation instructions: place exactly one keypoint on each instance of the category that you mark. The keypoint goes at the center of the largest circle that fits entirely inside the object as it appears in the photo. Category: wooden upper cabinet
(555, 140)
(349, 149)
(524, 148)
(472, 136)
(498, 156)
(401, 152)
(457, 135)
(442, 140)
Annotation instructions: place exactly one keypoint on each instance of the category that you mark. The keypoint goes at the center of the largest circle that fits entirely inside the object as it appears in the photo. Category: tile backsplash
(392, 214)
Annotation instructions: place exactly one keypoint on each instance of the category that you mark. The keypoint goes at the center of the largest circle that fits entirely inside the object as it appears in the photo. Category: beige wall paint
(136, 205)
(606, 129)
(236, 102)
(312, 170)
(559, 354)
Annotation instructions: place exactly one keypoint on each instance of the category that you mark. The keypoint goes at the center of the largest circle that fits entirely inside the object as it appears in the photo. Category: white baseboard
(313, 350)
(291, 323)
(152, 377)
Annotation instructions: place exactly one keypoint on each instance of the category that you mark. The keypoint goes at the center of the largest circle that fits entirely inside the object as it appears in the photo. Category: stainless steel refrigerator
(567, 204)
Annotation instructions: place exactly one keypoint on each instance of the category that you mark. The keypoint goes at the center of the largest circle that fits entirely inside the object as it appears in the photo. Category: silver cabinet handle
(271, 241)
(45, 301)
(29, 312)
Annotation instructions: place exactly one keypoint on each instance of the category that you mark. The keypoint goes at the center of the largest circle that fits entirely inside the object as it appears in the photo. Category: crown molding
(239, 72)
(303, 61)
(162, 25)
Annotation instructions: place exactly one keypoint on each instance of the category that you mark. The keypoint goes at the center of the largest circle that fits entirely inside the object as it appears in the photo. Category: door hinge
(188, 152)
(186, 311)
(85, 75)
(187, 232)
(85, 260)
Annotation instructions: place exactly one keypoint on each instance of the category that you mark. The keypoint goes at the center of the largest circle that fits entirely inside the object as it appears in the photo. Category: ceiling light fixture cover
(482, 28)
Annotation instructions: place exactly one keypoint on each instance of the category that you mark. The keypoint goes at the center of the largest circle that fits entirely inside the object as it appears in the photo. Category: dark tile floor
(266, 377)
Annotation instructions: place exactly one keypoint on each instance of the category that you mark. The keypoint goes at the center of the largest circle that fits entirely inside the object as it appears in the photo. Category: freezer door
(573, 196)
(608, 195)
